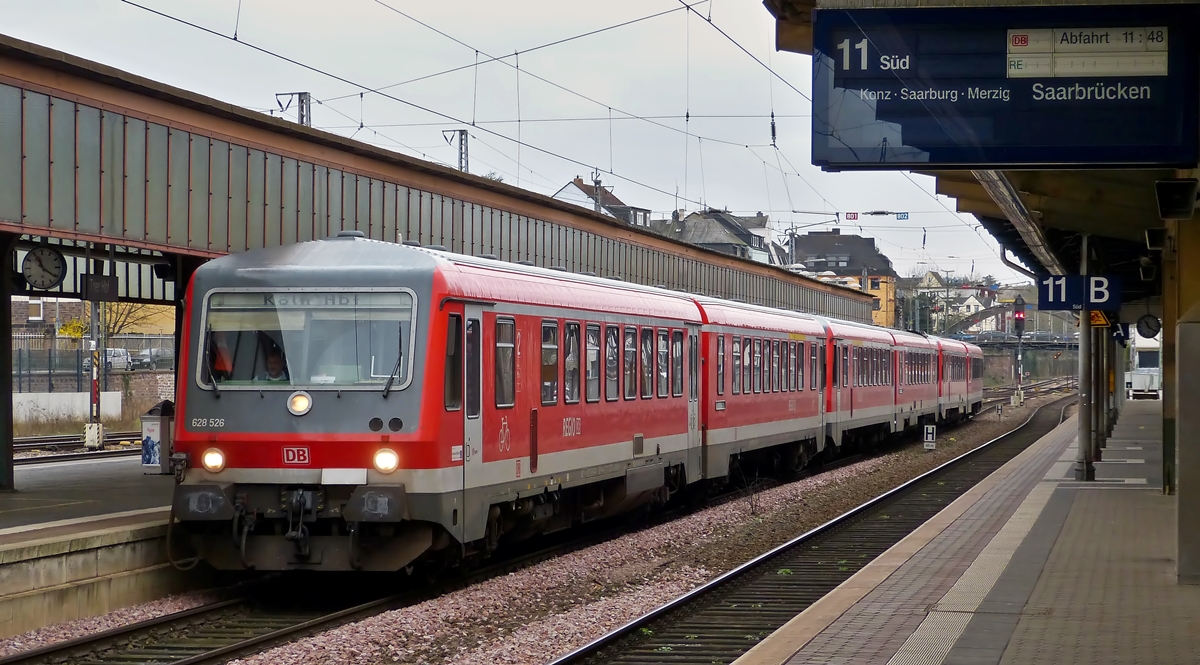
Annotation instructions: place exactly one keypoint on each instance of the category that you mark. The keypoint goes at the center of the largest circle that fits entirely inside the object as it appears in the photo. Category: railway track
(70, 447)
(721, 620)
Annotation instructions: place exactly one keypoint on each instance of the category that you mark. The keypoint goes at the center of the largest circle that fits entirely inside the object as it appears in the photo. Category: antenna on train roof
(411, 243)
(440, 248)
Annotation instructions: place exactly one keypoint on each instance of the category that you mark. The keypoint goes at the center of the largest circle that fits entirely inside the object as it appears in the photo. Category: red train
(353, 404)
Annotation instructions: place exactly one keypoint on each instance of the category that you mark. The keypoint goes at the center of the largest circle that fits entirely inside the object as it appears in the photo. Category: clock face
(1148, 326)
(43, 267)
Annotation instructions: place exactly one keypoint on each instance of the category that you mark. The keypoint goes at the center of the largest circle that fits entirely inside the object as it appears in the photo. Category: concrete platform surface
(69, 491)
(1028, 567)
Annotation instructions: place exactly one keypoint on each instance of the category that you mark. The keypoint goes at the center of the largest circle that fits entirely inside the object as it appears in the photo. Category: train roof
(731, 313)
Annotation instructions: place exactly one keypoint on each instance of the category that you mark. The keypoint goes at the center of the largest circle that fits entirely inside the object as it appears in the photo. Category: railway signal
(1019, 316)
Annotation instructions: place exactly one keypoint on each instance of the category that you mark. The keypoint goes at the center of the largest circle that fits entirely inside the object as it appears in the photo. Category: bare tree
(492, 175)
(123, 317)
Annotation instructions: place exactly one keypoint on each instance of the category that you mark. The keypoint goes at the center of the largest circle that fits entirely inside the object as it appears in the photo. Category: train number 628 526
(208, 422)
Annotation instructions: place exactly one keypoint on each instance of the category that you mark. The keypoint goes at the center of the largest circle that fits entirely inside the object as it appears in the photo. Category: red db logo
(1020, 40)
(295, 455)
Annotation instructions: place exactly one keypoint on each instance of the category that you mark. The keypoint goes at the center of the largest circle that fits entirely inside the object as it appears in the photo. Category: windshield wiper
(387, 387)
(208, 364)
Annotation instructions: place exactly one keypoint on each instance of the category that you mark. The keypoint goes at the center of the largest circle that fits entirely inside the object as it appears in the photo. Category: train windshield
(286, 339)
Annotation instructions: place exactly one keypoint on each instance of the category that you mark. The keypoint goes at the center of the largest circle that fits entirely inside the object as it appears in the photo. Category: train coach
(350, 404)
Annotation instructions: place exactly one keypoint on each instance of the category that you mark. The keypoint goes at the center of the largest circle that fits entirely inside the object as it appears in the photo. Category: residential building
(721, 231)
(843, 257)
(585, 195)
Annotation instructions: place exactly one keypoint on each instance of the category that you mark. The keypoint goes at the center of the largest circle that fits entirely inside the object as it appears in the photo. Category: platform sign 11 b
(1068, 292)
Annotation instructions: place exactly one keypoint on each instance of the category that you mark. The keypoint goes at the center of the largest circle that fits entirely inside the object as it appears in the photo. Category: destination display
(1079, 86)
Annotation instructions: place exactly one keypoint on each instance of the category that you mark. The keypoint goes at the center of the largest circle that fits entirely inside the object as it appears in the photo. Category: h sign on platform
(1064, 292)
(930, 437)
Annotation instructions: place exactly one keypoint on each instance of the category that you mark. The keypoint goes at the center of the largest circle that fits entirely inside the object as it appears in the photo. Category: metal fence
(49, 363)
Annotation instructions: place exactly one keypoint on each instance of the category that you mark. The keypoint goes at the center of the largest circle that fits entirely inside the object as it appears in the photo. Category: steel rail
(597, 646)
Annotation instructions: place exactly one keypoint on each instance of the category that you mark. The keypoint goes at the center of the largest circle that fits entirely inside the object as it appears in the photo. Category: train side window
(812, 366)
(758, 366)
(647, 359)
(747, 366)
(737, 366)
(592, 359)
(664, 358)
(631, 373)
(845, 366)
(612, 363)
(474, 380)
(800, 358)
(775, 365)
(549, 363)
(785, 367)
(454, 364)
(693, 367)
(721, 364)
(506, 363)
(677, 363)
(571, 363)
(876, 369)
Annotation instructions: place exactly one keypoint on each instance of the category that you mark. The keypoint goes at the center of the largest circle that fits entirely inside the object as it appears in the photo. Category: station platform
(57, 497)
(1029, 566)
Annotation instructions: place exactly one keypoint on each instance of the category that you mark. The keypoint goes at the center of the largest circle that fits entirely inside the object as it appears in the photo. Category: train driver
(276, 367)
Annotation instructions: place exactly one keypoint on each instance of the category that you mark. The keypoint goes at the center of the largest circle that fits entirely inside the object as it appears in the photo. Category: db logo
(1020, 40)
(295, 455)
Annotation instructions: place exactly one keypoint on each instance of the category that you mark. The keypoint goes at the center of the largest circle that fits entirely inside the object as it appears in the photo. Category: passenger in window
(276, 367)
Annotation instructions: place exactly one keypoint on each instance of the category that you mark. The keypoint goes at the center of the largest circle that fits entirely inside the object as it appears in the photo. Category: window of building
(631, 355)
(874, 283)
(36, 310)
(549, 363)
(506, 362)
(612, 363)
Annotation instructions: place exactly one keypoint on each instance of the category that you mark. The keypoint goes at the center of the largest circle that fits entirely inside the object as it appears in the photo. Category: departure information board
(1012, 87)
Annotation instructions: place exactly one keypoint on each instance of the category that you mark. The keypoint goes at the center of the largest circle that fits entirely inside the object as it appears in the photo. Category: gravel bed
(532, 615)
(69, 630)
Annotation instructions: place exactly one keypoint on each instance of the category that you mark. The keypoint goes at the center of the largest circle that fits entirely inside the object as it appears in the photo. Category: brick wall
(140, 390)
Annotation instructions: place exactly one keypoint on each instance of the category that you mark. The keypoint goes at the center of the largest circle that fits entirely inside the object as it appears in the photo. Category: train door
(694, 437)
(472, 448)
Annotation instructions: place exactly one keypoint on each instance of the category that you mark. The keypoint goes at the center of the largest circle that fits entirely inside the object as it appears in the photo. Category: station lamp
(1019, 316)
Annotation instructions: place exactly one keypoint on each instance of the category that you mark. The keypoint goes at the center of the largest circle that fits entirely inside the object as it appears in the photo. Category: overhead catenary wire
(414, 105)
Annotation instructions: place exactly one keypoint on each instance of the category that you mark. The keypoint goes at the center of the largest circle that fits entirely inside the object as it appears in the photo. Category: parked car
(154, 359)
(114, 359)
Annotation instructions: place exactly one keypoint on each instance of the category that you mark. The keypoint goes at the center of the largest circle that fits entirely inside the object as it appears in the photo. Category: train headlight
(299, 403)
(213, 460)
(386, 461)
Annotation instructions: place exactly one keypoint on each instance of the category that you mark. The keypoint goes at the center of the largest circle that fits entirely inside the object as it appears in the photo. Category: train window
(785, 367)
(593, 363)
(737, 366)
(800, 359)
(664, 357)
(875, 368)
(812, 366)
(747, 366)
(721, 364)
(775, 362)
(452, 379)
(612, 363)
(571, 356)
(506, 362)
(549, 363)
(845, 366)
(280, 340)
(677, 363)
(693, 367)
(474, 351)
(758, 366)
(647, 363)
(631, 375)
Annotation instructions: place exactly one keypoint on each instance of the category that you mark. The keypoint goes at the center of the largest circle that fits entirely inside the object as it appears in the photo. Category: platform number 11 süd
(1061, 283)
(861, 47)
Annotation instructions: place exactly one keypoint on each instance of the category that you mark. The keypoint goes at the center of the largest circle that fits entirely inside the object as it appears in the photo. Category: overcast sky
(658, 69)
